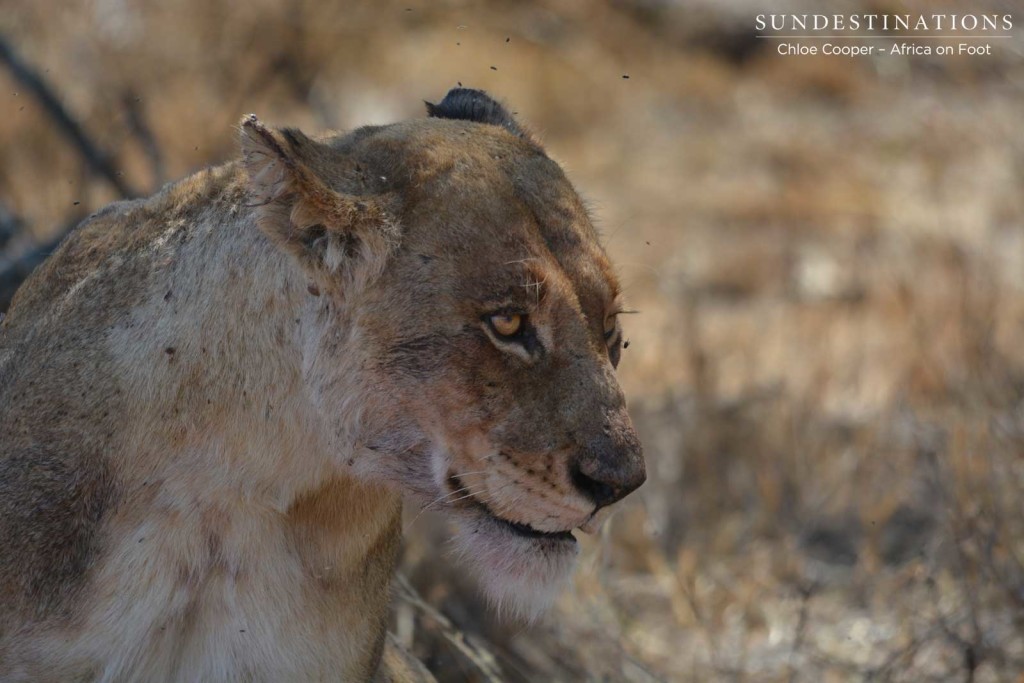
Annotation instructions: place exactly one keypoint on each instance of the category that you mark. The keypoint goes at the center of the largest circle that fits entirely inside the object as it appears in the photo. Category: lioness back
(62, 404)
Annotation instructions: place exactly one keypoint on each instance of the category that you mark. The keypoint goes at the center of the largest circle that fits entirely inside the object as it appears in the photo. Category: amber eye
(507, 324)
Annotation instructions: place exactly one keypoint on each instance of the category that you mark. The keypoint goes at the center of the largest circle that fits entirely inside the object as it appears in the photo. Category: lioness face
(496, 334)
(471, 326)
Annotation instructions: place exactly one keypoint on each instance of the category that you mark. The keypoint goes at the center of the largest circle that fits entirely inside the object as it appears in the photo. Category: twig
(98, 161)
(14, 269)
(10, 225)
(688, 603)
(884, 671)
(483, 660)
(806, 591)
(144, 134)
(973, 652)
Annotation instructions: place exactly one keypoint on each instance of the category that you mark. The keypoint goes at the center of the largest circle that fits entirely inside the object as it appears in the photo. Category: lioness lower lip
(530, 532)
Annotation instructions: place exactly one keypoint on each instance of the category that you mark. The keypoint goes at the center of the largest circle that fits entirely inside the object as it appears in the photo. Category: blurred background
(827, 255)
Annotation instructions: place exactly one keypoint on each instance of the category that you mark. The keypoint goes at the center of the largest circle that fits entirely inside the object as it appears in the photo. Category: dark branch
(14, 270)
(10, 226)
(98, 161)
(144, 134)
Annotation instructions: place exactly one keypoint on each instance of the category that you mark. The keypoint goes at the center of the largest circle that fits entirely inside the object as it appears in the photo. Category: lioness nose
(610, 469)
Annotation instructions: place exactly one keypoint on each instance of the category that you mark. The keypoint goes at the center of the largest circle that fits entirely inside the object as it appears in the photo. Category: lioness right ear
(329, 232)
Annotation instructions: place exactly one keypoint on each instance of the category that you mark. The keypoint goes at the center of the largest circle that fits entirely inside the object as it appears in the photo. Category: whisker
(446, 499)
(475, 477)
(480, 496)
(468, 495)
(446, 495)
(432, 504)
(460, 475)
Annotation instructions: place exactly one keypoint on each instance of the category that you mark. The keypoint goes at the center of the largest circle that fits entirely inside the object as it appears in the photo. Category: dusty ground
(828, 257)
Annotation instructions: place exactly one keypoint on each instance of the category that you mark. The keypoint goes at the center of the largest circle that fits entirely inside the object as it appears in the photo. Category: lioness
(212, 400)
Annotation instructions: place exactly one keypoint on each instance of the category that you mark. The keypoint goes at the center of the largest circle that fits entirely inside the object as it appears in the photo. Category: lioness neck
(223, 412)
(215, 358)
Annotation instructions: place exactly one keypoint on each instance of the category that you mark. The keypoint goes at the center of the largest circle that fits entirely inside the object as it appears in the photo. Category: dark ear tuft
(474, 105)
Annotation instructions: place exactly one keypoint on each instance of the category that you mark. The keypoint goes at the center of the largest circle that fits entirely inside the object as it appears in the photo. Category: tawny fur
(212, 400)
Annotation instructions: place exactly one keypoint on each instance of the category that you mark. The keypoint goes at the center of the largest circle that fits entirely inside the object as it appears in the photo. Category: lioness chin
(211, 401)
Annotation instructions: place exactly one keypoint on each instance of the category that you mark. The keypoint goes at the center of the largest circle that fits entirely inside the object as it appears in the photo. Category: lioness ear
(329, 232)
(469, 104)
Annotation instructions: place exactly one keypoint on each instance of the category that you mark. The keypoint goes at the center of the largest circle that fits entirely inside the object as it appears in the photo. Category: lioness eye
(507, 325)
(609, 328)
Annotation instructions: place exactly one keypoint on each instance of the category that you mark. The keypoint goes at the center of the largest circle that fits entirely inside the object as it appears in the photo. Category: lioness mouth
(519, 528)
(530, 532)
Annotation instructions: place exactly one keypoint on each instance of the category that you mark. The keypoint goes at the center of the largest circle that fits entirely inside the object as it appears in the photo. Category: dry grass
(828, 254)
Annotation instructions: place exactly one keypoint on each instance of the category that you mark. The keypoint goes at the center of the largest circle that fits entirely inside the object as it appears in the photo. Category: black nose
(608, 472)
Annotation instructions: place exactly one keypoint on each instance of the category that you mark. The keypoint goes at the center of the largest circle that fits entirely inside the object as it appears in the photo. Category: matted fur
(211, 401)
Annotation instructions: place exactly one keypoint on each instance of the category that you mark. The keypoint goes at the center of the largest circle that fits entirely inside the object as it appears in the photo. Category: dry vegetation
(828, 254)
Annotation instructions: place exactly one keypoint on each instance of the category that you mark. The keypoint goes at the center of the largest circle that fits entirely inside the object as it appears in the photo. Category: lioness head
(470, 332)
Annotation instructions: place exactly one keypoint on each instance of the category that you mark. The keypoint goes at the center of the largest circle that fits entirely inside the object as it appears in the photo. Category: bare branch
(467, 645)
(95, 158)
(144, 134)
(14, 270)
(10, 225)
